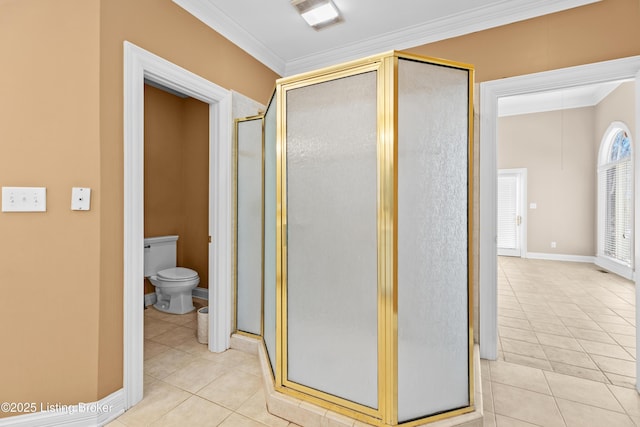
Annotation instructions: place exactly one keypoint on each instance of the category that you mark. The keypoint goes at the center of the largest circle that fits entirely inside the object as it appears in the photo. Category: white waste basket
(203, 325)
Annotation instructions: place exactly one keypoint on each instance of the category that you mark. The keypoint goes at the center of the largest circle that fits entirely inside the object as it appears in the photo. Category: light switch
(24, 199)
(80, 199)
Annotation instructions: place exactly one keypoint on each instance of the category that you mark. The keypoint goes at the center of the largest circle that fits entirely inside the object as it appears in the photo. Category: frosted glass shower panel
(249, 226)
(433, 164)
(269, 327)
(331, 261)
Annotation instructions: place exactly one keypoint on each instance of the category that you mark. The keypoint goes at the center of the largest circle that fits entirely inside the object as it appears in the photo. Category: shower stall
(364, 295)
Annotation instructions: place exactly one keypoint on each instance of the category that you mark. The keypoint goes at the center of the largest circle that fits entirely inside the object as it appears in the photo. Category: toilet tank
(159, 253)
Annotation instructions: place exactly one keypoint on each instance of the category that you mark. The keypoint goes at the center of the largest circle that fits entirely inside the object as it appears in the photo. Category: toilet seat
(177, 274)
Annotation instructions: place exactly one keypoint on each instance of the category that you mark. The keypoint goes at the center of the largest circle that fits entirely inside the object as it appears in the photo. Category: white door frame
(138, 65)
(618, 69)
(521, 201)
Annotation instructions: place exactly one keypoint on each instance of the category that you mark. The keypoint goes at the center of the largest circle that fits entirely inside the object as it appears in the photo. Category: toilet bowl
(173, 289)
(173, 284)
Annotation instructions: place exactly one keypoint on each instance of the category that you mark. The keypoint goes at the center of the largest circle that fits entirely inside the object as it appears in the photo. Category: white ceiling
(274, 33)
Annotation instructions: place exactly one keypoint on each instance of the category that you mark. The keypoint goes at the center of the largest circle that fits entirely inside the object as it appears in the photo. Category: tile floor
(566, 347)
(186, 385)
(566, 358)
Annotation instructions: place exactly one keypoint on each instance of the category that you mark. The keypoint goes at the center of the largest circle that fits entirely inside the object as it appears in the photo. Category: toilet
(173, 284)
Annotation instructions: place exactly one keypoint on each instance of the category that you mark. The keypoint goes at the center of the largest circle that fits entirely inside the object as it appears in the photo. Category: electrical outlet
(24, 199)
(80, 199)
(553, 244)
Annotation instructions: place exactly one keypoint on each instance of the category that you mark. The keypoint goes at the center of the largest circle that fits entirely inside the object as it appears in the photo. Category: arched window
(615, 200)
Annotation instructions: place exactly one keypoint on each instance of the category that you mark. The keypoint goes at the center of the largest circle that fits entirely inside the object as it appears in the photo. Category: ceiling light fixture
(318, 13)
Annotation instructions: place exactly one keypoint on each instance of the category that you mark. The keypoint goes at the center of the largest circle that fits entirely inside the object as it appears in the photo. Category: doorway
(139, 65)
(626, 68)
(512, 223)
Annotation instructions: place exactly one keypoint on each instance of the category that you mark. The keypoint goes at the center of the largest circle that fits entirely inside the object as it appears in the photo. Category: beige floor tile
(232, 389)
(621, 380)
(115, 423)
(591, 335)
(610, 350)
(526, 360)
(152, 349)
(580, 415)
(549, 327)
(608, 318)
(526, 406)
(536, 309)
(631, 351)
(502, 421)
(625, 340)
(618, 329)
(513, 322)
(174, 336)
(519, 376)
(569, 357)
(159, 398)
(581, 390)
(154, 327)
(615, 366)
(577, 371)
(552, 340)
(628, 398)
(237, 420)
(522, 347)
(518, 334)
(591, 305)
(167, 363)
(192, 346)
(231, 358)
(506, 312)
(256, 409)
(194, 411)
(581, 323)
(197, 374)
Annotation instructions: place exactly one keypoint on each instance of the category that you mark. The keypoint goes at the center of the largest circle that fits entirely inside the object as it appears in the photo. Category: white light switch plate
(80, 199)
(24, 199)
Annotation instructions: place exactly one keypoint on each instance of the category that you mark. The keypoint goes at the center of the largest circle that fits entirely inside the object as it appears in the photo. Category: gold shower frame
(386, 68)
(235, 174)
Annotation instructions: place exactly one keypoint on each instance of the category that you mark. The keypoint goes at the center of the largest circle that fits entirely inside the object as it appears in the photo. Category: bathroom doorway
(141, 65)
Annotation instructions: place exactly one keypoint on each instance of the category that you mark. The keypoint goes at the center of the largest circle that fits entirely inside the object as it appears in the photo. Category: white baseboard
(561, 257)
(81, 415)
(202, 293)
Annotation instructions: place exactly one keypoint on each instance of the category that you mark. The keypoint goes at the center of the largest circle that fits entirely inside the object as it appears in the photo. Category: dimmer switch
(24, 199)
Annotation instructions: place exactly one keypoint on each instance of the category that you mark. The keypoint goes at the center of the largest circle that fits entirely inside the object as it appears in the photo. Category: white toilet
(173, 284)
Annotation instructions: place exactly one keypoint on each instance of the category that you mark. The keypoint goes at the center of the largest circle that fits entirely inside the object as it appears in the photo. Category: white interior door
(510, 221)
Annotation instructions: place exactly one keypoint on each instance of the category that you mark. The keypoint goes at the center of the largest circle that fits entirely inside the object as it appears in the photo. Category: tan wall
(556, 149)
(176, 176)
(600, 31)
(50, 262)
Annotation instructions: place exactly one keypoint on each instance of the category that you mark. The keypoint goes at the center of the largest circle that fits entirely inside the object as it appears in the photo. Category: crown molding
(502, 13)
(212, 16)
(559, 100)
(467, 22)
